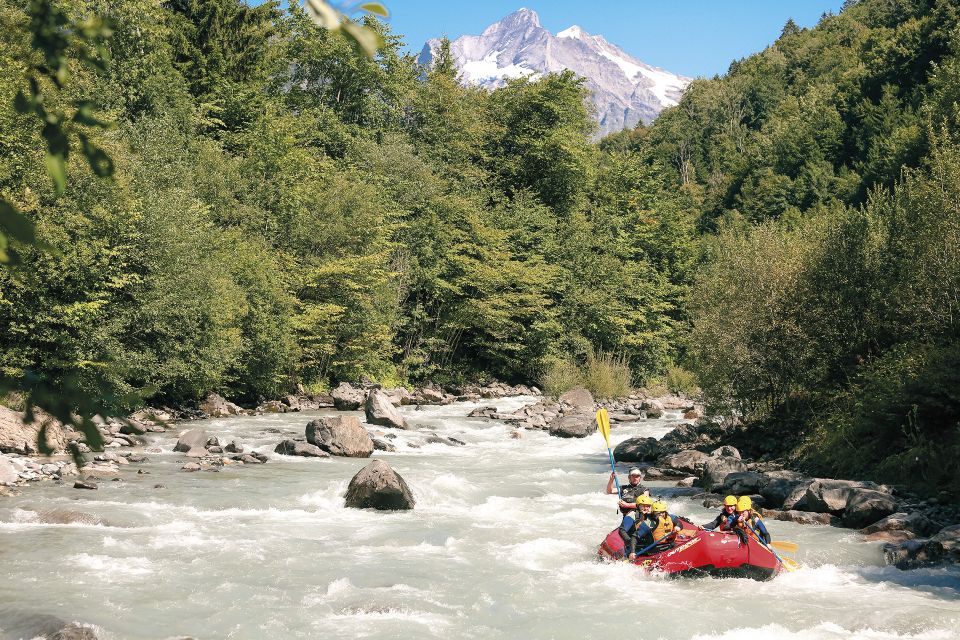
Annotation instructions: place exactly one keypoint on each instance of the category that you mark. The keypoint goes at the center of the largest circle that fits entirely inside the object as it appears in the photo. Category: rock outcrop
(340, 436)
(380, 411)
(346, 397)
(16, 436)
(378, 486)
(216, 406)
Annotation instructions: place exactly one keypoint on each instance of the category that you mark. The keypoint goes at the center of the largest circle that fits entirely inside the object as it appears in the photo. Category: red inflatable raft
(699, 552)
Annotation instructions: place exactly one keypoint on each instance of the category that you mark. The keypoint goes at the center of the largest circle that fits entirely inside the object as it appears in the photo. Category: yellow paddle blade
(688, 532)
(603, 423)
(789, 564)
(783, 545)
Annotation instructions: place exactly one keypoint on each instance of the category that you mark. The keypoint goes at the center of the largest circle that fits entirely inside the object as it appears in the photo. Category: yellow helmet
(644, 500)
(659, 505)
(730, 501)
(744, 503)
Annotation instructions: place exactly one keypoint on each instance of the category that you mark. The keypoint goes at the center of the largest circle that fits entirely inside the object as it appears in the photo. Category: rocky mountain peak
(625, 90)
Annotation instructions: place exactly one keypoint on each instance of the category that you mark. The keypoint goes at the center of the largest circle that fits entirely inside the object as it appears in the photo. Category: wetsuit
(724, 521)
(637, 534)
(757, 523)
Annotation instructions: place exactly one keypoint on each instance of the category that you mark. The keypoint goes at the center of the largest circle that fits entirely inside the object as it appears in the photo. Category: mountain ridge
(625, 89)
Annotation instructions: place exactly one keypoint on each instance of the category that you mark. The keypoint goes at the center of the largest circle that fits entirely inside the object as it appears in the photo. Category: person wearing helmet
(637, 527)
(749, 520)
(727, 516)
(628, 492)
(666, 524)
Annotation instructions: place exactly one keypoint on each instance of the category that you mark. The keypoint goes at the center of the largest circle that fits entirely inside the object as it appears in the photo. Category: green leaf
(57, 170)
(17, 225)
(375, 8)
(325, 15)
(366, 39)
(84, 115)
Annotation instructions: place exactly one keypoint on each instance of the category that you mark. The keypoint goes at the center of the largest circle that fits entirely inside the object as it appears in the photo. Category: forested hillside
(827, 304)
(287, 210)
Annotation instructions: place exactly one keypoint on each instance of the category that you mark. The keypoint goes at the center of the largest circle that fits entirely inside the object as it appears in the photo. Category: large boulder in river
(741, 483)
(380, 411)
(45, 627)
(16, 436)
(346, 397)
(216, 406)
(716, 470)
(637, 449)
(832, 496)
(915, 522)
(691, 461)
(574, 425)
(784, 488)
(866, 507)
(378, 486)
(340, 436)
(193, 439)
(300, 448)
(579, 399)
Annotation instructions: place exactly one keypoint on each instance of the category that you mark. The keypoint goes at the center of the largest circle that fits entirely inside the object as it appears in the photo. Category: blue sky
(689, 37)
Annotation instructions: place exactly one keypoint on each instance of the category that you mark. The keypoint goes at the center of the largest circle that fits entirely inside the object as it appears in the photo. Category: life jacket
(750, 524)
(664, 526)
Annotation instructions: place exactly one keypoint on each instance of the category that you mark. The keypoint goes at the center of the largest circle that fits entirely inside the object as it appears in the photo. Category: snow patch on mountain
(625, 90)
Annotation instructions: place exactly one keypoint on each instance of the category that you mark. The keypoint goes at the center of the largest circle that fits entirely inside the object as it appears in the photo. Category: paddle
(603, 424)
(655, 543)
(783, 545)
(789, 566)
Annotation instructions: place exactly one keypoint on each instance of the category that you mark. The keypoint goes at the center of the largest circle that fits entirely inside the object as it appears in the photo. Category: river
(501, 544)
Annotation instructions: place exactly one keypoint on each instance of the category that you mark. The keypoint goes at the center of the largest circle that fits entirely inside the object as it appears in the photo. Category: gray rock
(637, 449)
(8, 473)
(832, 496)
(133, 428)
(579, 399)
(84, 484)
(482, 412)
(866, 507)
(726, 450)
(192, 439)
(383, 445)
(379, 410)
(913, 554)
(687, 482)
(378, 486)
(213, 441)
(949, 538)
(67, 516)
(801, 517)
(784, 488)
(744, 483)
(234, 447)
(191, 466)
(216, 406)
(74, 631)
(573, 426)
(346, 397)
(340, 436)
(691, 461)
(715, 471)
(16, 436)
(43, 627)
(304, 449)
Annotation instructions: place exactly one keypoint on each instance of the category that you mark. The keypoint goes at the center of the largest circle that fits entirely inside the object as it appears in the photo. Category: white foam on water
(825, 631)
(112, 569)
(536, 555)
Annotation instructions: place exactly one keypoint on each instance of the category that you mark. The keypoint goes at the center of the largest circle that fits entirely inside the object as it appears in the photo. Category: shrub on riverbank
(605, 375)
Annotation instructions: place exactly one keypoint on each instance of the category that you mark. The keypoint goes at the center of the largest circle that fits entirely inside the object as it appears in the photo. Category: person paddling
(727, 516)
(666, 524)
(628, 492)
(637, 527)
(749, 520)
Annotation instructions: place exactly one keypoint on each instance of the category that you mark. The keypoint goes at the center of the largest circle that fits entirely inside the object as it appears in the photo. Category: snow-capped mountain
(625, 90)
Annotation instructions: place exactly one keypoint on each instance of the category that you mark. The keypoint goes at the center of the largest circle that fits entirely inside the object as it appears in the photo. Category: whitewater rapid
(501, 544)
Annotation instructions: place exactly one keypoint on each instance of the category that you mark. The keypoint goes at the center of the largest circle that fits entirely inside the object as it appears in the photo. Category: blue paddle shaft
(763, 542)
(655, 543)
(614, 469)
